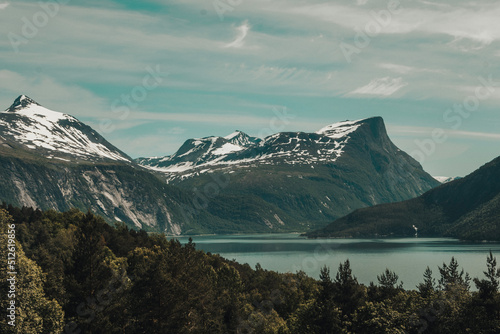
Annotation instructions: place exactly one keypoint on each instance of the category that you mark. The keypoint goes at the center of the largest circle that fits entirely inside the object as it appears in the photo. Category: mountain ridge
(467, 208)
(288, 181)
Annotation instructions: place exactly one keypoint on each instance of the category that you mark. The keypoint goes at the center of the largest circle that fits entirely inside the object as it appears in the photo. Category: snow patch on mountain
(239, 150)
(340, 129)
(227, 148)
(446, 179)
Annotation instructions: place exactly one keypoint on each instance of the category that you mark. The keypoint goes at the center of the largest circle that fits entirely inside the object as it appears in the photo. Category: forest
(77, 274)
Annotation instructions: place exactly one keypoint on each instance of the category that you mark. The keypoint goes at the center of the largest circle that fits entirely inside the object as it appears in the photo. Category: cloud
(381, 87)
(4, 5)
(471, 21)
(242, 33)
(403, 69)
(176, 131)
(397, 68)
(205, 118)
(422, 131)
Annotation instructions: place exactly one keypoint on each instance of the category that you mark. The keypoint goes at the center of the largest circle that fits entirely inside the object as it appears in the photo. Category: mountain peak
(339, 129)
(21, 102)
(241, 139)
(342, 129)
(236, 133)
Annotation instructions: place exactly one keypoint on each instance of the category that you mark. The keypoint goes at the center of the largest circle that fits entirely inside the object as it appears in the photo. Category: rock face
(467, 208)
(306, 179)
(114, 191)
(50, 160)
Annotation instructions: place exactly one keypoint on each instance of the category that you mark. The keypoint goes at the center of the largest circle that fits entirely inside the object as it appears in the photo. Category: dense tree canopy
(77, 274)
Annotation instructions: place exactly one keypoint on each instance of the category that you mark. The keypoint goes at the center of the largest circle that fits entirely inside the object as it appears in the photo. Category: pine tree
(450, 276)
(489, 287)
(388, 282)
(388, 279)
(89, 275)
(429, 286)
(349, 294)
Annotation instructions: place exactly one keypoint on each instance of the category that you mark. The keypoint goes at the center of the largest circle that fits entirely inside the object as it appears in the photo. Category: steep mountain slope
(467, 208)
(305, 179)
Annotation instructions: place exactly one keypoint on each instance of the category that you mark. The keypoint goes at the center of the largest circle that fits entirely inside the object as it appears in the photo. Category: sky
(148, 75)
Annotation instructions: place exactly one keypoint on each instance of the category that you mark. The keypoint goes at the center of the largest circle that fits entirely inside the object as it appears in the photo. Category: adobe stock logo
(374, 27)
(32, 26)
(455, 117)
(4, 5)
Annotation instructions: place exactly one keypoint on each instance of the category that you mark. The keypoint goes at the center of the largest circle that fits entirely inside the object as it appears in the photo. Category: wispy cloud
(422, 131)
(4, 5)
(478, 22)
(242, 33)
(397, 68)
(381, 87)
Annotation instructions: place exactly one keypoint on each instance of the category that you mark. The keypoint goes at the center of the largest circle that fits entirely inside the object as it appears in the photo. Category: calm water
(369, 257)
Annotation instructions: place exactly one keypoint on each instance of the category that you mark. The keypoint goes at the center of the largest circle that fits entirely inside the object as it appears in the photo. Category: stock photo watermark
(203, 197)
(374, 27)
(4, 4)
(455, 117)
(94, 305)
(11, 274)
(31, 26)
(322, 252)
(222, 7)
(122, 106)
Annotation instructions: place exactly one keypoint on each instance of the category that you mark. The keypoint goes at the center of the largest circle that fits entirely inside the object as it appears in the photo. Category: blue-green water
(369, 257)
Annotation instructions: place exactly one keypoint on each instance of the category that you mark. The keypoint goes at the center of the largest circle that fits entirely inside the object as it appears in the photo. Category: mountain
(239, 149)
(201, 152)
(290, 181)
(295, 180)
(50, 160)
(53, 134)
(446, 179)
(467, 208)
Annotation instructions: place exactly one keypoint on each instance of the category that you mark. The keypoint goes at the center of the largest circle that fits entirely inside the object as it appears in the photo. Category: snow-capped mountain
(290, 181)
(55, 134)
(199, 152)
(295, 177)
(446, 179)
(50, 160)
(239, 150)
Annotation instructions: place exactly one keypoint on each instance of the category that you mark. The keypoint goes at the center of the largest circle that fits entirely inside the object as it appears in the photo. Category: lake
(407, 257)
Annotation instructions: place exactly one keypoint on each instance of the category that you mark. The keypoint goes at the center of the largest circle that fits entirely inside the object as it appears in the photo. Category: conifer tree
(428, 286)
(489, 287)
